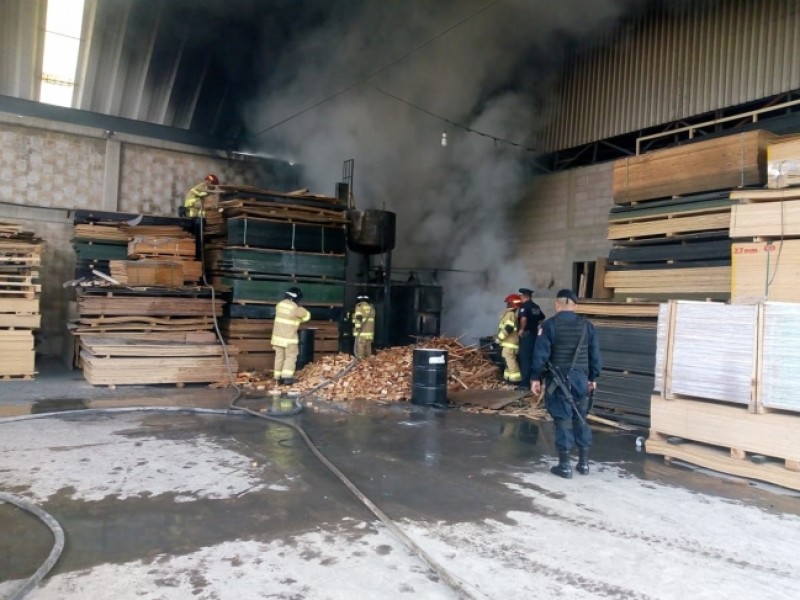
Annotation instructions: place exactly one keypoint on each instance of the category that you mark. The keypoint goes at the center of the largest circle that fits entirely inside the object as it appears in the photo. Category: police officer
(289, 315)
(568, 343)
(530, 316)
(363, 327)
(508, 338)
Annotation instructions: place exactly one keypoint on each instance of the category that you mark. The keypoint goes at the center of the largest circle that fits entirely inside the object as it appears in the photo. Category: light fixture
(444, 140)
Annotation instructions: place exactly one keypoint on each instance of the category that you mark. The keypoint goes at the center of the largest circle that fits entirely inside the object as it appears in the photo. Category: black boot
(583, 461)
(563, 468)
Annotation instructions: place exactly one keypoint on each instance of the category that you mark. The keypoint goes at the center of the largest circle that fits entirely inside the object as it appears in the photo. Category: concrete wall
(48, 168)
(563, 219)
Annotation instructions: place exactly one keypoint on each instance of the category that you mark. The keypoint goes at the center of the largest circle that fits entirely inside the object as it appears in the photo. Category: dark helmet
(212, 179)
(364, 297)
(294, 293)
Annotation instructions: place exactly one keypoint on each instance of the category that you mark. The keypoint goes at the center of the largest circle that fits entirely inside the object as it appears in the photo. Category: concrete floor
(171, 505)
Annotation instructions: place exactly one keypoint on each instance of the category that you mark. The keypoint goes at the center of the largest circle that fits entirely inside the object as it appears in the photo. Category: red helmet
(514, 300)
(212, 179)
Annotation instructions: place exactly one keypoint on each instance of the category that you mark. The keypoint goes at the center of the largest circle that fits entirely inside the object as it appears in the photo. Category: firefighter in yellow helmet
(289, 315)
(508, 338)
(193, 203)
(363, 327)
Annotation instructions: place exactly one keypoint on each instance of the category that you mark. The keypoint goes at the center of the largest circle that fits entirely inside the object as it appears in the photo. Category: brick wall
(562, 220)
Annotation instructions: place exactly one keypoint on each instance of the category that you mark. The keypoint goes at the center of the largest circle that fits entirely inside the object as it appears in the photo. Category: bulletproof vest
(568, 334)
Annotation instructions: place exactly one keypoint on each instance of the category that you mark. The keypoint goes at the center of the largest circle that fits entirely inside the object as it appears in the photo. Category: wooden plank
(730, 426)
(718, 459)
(19, 305)
(21, 321)
(618, 309)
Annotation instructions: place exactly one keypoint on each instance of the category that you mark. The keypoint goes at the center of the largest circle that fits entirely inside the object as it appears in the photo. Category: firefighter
(363, 327)
(193, 203)
(508, 338)
(289, 315)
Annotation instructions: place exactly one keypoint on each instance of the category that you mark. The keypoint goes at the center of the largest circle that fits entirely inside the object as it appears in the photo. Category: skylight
(62, 42)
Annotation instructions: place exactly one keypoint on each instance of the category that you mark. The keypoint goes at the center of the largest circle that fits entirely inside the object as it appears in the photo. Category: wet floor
(135, 493)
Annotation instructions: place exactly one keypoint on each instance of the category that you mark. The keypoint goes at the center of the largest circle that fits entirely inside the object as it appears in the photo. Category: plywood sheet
(765, 271)
(693, 279)
(712, 351)
(766, 219)
(779, 375)
(670, 226)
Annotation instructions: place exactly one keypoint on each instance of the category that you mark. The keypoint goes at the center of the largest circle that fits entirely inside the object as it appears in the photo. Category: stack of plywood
(150, 336)
(670, 226)
(106, 242)
(765, 227)
(627, 337)
(258, 244)
(20, 259)
(727, 396)
(252, 339)
(712, 164)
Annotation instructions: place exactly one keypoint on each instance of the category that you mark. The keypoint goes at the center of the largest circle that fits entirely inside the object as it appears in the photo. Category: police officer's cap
(568, 294)
(526, 291)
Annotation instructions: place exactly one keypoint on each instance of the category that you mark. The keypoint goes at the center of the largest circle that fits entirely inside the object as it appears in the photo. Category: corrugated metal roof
(670, 65)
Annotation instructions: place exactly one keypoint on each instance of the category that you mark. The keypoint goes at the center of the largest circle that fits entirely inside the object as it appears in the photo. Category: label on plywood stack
(20, 260)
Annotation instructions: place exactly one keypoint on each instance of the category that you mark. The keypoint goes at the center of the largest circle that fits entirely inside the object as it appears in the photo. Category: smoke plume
(488, 73)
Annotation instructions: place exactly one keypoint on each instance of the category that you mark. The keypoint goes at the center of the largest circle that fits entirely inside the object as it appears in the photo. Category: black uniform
(557, 343)
(534, 315)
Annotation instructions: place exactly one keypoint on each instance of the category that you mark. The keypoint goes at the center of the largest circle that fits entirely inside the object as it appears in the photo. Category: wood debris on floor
(387, 377)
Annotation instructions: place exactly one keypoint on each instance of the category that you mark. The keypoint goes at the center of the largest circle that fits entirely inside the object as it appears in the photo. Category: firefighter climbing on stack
(289, 315)
(193, 203)
(363, 327)
(508, 338)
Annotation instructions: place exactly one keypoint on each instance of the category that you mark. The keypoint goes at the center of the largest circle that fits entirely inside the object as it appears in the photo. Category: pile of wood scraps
(20, 291)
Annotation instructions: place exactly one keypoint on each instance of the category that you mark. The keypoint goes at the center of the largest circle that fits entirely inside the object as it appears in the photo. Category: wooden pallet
(731, 461)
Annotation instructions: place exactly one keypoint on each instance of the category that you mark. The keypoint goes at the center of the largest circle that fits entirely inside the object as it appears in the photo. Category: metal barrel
(429, 378)
(305, 348)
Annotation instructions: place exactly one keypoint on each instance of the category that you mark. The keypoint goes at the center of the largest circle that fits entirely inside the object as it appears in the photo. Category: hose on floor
(55, 553)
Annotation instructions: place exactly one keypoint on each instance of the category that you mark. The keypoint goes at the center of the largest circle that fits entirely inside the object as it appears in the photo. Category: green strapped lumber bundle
(279, 262)
(275, 291)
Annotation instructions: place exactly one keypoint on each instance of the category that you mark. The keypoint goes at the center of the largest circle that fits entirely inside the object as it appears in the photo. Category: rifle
(561, 382)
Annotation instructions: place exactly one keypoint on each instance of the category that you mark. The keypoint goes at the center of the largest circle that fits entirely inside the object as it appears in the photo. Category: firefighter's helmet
(212, 179)
(514, 300)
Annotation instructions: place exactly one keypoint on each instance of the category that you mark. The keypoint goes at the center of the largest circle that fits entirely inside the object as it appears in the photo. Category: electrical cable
(379, 69)
(466, 128)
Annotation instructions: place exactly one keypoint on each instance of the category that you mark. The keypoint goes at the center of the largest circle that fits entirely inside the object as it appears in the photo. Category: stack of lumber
(107, 241)
(727, 397)
(710, 164)
(627, 337)
(677, 248)
(259, 243)
(149, 336)
(765, 227)
(20, 259)
(252, 338)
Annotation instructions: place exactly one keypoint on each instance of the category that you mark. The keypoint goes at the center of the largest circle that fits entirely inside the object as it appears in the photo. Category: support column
(111, 175)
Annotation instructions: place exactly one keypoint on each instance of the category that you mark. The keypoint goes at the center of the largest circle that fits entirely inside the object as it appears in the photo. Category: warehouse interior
(436, 157)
